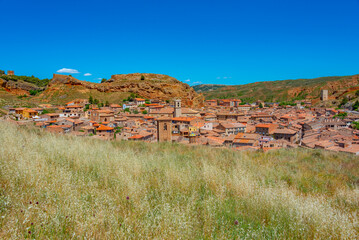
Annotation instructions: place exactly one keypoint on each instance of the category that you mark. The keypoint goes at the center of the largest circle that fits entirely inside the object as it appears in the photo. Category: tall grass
(58, 187)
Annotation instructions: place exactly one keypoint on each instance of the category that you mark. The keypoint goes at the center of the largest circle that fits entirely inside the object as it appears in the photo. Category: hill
(207, 87)
(284, 90)
(63, 88)
(62, 187)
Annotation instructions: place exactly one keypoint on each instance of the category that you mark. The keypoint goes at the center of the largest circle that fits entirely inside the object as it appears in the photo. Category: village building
(164, 129)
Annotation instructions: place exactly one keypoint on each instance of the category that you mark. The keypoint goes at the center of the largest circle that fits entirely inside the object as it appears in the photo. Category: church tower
(164, 129)
(177, 111)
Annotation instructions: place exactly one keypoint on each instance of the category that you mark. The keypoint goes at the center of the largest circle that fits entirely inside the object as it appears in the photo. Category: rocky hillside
(151, 86)
(286, 90)
(18, 85)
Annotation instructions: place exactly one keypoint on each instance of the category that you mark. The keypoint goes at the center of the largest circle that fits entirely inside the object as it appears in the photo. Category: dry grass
(78, 188)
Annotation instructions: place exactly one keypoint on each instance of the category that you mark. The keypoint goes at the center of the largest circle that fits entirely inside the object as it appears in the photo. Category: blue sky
(216, 42)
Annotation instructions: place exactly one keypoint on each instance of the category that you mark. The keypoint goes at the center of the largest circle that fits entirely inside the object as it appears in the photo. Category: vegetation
(103, 80)
(142, 77)
(355, 125)
(34, 80)
(285, 103)
(343, 102)
(65, 187)
(34, 92)
(356, 105)
(269, 91)
(341, 115)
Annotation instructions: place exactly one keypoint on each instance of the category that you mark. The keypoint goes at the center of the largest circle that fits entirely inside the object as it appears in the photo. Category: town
(220, 123)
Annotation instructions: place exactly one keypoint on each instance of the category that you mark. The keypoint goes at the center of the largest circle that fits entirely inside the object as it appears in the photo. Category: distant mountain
(283, 90)
(207, 87)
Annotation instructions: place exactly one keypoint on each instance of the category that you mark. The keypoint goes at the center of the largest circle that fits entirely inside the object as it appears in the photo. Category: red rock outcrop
(154, 86)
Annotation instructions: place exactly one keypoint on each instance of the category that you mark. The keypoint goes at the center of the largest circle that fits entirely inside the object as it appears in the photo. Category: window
(165, 127)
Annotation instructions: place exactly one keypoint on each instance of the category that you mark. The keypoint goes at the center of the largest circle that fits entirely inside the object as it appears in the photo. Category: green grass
(175, 191)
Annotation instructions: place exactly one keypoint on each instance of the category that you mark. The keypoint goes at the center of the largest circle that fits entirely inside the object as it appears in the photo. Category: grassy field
(64, 187)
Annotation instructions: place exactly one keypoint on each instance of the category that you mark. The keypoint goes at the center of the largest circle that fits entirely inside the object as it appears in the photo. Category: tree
(343, 102)
(2, 72)
(33, 92)
(341, 115)
(103, 80)
(357, 93)
(91, 100)
(135, 111)
(144, 112)
(260, 105)
(107, 104)
(356, 105)
(142, 77)
(96, 101)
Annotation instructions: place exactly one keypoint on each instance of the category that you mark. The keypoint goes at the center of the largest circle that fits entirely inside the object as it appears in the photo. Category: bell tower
(177, 111)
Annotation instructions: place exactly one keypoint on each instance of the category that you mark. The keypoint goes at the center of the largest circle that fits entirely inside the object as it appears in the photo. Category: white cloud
(187, 80)
(99, 78)
(197, 82)
(87, 74)
(67, 70)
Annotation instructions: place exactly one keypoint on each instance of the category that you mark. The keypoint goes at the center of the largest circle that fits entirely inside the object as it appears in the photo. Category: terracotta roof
(136, 137)
(104, 128)
(284, 131)
(183, 119)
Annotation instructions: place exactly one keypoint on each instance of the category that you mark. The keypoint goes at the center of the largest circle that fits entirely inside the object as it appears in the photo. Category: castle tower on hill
(164, 129)
(10, 73)
(177, 111)
(324, 95)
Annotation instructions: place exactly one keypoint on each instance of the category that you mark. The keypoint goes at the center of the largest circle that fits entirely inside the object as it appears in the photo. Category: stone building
(164, 129)
(10, 73)
(324, 95)
(177, 110)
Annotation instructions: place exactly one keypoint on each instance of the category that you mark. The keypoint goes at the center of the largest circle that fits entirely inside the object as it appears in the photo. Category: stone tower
(164, 129)
(177, 111)
(324, 95)
(10, 73)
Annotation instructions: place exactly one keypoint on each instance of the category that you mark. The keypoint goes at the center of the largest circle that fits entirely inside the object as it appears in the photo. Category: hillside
(286, 90)
(62, 187)
(63, 88)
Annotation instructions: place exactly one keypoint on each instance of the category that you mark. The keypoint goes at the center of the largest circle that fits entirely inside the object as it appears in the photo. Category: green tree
(357, 93)
(103, 80)
(2, 72)
(142, 77)
(135, 111)
(107, 104)
(341, 115)
(144, 112)
(96, 101)
(356, 105)
(91, 100)
(260, 105)
(343, 102)
(33, 92)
